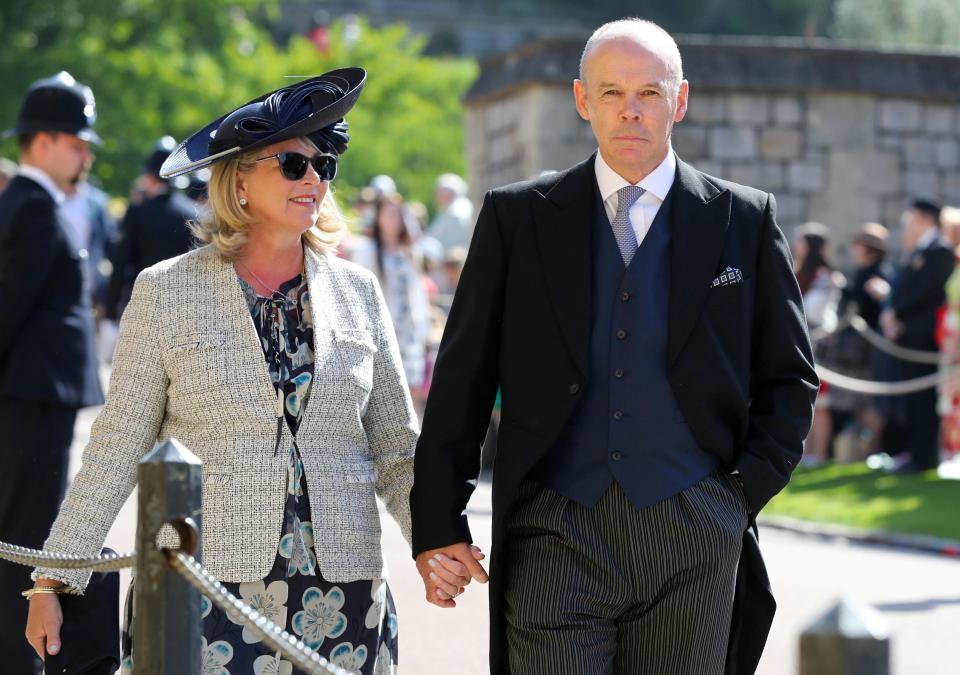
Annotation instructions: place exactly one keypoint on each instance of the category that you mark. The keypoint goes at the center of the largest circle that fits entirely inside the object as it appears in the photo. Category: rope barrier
(295, 650)
(197, 576)
(64, 561)
(892, 348)
(872, 388)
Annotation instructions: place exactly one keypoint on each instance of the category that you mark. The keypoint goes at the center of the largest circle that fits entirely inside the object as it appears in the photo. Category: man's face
(627, 97)
(65, 158)
(914, 224)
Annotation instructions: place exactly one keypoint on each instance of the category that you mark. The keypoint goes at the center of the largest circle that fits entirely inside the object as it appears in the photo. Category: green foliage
(852, 494)
(168, 68)
(898, 22)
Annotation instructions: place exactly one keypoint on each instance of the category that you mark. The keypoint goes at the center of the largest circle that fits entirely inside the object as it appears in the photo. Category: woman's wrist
(43, 582)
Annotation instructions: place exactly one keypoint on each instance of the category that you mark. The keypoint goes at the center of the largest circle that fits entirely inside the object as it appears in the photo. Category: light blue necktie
(622, 229)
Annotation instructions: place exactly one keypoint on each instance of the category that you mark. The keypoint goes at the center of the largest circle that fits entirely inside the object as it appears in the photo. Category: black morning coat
(46, 323)
(738, 361)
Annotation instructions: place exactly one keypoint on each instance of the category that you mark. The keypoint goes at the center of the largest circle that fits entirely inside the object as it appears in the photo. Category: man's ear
(580, 97)
(682, 98)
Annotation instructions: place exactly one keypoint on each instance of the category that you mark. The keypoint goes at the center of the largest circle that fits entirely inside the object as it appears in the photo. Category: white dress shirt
(656, 184)
(40, 176)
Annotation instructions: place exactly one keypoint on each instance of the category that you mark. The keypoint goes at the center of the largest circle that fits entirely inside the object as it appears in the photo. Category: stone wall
(841, 136)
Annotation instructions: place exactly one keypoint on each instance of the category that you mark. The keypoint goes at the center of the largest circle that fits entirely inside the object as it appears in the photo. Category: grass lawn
(852, 494)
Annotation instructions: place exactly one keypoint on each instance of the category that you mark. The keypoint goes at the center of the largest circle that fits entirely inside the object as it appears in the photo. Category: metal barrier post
(167, 637)
(850, 639)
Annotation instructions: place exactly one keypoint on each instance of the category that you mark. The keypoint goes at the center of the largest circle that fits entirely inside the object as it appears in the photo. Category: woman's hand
(43, 622)
(446, 571)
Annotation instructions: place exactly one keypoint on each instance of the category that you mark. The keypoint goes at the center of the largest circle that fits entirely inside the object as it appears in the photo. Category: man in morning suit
(912, 432)
(47, 360)
(643, 323)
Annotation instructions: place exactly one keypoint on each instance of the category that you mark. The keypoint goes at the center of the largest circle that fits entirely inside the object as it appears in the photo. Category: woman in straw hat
(274, 362)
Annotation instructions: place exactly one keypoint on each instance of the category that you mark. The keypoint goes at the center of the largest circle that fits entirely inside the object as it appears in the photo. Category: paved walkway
(918, 594)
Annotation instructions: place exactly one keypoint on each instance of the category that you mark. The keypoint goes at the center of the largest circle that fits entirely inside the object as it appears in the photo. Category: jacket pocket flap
(355, 336)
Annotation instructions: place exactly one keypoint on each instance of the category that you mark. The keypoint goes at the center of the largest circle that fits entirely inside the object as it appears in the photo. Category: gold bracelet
(42, 590)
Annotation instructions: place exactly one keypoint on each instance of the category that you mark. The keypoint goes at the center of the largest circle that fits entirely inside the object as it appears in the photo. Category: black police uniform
(47, 360)
(150, 232)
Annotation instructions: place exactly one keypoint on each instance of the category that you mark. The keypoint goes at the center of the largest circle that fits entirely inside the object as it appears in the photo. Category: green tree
(171, 67)
(898, 22)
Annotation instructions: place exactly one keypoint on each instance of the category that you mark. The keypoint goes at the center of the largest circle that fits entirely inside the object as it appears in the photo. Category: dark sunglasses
(293, 165)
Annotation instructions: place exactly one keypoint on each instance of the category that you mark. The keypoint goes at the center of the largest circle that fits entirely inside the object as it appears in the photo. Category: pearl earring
(243, 201)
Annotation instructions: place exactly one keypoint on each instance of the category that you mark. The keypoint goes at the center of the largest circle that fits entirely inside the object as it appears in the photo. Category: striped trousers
(612, 589)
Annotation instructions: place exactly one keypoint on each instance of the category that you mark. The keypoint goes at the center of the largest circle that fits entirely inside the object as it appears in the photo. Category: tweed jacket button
(618, 414)
(574, 388)
(616, 456)
(621, 334)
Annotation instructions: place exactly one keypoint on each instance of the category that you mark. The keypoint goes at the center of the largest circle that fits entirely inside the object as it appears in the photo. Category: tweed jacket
(189, 366)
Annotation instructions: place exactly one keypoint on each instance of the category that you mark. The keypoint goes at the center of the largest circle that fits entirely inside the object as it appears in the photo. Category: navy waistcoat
(627, 426)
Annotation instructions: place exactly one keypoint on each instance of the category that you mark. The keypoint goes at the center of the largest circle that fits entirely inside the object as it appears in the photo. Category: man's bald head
(645, 33)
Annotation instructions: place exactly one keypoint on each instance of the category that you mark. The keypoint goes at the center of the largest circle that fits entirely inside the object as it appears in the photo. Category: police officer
(47, 360)
(151, 231)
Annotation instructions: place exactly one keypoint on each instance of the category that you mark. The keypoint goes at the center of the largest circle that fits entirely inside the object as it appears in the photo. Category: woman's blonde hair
(225, 223)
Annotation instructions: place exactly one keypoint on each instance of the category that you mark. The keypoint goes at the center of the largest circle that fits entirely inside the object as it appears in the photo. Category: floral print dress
(353, 625)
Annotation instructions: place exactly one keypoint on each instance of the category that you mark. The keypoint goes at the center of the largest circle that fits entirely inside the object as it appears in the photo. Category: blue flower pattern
(345, 622)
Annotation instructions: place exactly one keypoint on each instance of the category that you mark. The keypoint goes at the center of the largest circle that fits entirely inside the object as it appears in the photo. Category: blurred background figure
(151, 231)
(196, 189)
(949, 338)
(48, 367)
(390, 252)
(453, 223)
(86, 209)
(856, 422)
(911, 435)
(820, 288)
(8, 169)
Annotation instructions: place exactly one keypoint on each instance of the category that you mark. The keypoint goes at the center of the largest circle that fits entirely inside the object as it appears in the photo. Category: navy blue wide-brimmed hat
(313, 108)
(57, 103)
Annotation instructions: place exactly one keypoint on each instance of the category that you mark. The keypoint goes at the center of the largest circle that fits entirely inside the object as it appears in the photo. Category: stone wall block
(769, 176)
(892, 142)
(690, 140)
(920, 151)
(901, 115)
(921, 182)
(951, 187)
(733, 143)
(707, 108)
(781, 143)
(791, 209)
(940, 119)
(749, 109)
(805, 176)
(947, 153)
(717, 169)
(787, 110)
(841, 121)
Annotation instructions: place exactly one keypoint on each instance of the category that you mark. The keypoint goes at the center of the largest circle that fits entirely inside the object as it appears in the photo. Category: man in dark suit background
(154, 230)
(645, 327)
(912, 432)
(47, 360)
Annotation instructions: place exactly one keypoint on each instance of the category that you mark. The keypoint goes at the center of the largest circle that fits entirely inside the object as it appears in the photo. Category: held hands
(446, 571)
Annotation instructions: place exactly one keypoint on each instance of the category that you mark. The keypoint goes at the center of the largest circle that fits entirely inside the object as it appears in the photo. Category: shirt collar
(658, 182)
(41, 177)
(927, 239)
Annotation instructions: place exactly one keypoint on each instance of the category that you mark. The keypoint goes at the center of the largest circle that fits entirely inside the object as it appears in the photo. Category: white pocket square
(727, 277)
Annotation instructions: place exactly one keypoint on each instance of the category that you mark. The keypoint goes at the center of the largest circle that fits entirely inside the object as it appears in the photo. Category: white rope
(871, 388)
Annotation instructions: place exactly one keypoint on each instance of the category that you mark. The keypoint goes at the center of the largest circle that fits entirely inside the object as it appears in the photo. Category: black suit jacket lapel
(701, 216)
(563, 217)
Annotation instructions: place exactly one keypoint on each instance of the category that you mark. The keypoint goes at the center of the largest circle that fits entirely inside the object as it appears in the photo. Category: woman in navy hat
(274, 362)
